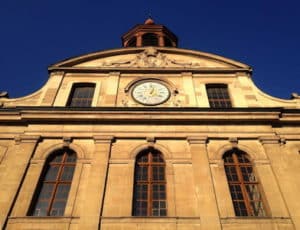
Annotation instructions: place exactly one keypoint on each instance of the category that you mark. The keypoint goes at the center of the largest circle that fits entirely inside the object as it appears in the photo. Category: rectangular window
(218, 96)
(81, 95)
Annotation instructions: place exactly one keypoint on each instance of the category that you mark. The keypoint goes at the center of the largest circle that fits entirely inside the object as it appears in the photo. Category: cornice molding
(99, 139)
(269, 139)
(27, 139)
(197, 139)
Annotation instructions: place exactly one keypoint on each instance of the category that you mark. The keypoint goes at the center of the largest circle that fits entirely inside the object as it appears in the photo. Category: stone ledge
(256, 220)
(151, 219)
(42, 219)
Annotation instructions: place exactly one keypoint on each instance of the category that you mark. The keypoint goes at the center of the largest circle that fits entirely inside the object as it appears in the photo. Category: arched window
(149, 40)
(149, 197)
(81, 95)
(243, 184)
(218, 96)
(52, 193)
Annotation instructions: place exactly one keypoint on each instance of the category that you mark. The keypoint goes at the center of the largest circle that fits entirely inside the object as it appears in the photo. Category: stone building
(149, 136)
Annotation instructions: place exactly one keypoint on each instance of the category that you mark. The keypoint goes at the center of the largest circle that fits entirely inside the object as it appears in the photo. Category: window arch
(81, 95)
(149, 197)
(243, 184)
(54, 185)
(149, 39)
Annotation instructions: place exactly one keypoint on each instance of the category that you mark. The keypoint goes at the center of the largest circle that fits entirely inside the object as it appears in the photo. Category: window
(243, 184)
(132, 42)
(150, 40)
(218, 96)
(167, 42)
(81, 95)
(54, 185)
(149, 184)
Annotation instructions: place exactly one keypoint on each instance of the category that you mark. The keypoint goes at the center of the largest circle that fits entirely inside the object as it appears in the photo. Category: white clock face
(150, 93)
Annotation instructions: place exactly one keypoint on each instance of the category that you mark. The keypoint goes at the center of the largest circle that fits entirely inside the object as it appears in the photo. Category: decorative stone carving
(150, 57)
(295, 96)
(4, 94)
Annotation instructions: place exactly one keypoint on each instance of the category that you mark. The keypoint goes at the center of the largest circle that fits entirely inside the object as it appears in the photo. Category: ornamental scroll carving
(150, 57)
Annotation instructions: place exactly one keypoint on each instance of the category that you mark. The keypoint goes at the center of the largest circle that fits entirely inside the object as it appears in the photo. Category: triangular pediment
(151, 57)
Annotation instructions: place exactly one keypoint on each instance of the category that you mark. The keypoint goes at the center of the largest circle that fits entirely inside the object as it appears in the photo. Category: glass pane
(67, 173)
(41, 208)
(58, 158)
(240, 208)
(71, 158)
(52, 172)
(58, 208)
(62, 191)
(242, 158)
(46, 191)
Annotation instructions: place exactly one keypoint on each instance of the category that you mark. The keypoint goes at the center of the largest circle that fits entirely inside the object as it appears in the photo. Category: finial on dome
(149, 21)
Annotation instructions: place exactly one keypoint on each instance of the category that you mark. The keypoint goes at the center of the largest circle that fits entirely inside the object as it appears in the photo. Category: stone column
(209, 217)
(161, 40)
(17, 160)
(95, 190)
(285, 178)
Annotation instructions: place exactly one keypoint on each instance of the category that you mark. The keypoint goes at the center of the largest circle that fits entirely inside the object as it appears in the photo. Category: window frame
(223, 96)
(150, 182)
(65, 152)
(75, 101)
(150, 40)
(246, 200)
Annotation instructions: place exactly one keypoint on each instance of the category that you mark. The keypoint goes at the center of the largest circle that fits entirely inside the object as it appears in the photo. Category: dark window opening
(149, 197)
(132, 42)
(149, 40)
(243, 184)
(54, 185)
(81, 95)
(168, 42)
(218, 96)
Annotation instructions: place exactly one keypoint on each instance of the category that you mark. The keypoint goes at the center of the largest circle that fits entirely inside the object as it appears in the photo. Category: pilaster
(187, 78)
(18, 158)
(286, 182)
(95, 190)
(204, 189)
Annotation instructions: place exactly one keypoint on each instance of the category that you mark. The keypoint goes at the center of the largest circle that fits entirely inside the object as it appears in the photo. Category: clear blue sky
(262, 34)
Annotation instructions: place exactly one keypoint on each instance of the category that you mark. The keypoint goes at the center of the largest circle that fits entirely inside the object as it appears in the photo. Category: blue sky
(262, 34)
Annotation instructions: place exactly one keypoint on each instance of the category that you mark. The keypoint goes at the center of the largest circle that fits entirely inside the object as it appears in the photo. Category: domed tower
(149, 34)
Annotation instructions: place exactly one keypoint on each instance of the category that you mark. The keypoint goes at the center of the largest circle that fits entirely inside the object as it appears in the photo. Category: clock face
(150, 93)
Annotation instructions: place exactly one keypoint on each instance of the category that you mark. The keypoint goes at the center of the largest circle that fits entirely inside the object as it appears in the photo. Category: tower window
(54, 185)
(218, 96)
(243, 184)
(149, 185)
(131, 42)
(149, 40)
(168, 42)
(81, 95)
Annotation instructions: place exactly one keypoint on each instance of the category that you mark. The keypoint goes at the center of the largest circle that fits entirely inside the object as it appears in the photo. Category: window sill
(42, 219)
(150, 219)
(256, 220)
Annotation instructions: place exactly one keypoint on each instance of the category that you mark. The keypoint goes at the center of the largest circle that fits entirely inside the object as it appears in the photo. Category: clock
(150, 93)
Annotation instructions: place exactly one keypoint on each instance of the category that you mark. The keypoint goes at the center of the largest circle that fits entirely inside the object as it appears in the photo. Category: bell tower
(149, 34)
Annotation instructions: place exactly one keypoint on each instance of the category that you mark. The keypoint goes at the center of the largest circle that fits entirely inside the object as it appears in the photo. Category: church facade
(149, 136)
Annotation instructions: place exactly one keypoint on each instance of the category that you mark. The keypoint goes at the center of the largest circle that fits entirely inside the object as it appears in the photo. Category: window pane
(150, 189)
(244, 188)
(218, 96)
(52, 172)
(81, 95)
(52, 196)
(67, 173)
